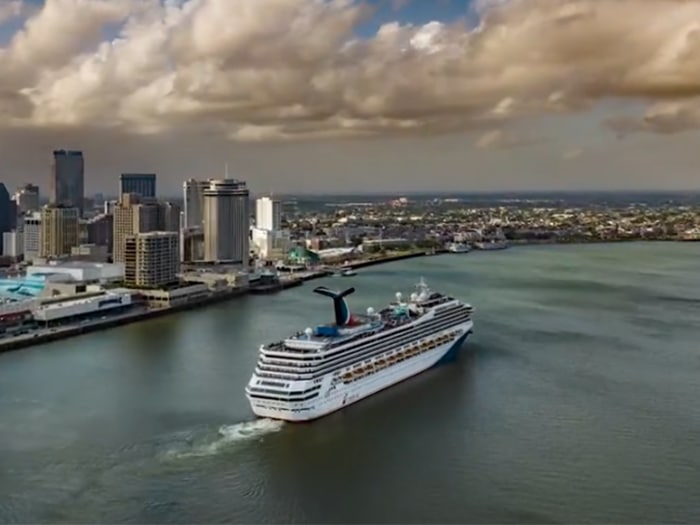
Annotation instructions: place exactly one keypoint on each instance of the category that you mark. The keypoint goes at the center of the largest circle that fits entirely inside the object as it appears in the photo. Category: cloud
(498, 139)
(259, 70)
(10, 9)
(572, 154)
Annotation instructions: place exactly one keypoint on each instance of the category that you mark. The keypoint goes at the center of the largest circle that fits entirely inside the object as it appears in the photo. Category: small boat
(347, 272)
(459, 247)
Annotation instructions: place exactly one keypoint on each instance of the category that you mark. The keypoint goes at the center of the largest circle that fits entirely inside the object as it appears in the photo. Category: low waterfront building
(301, 255)
(369, 245)
(89, 252)
(216, 279)
(337, 255)
(16, 316)
(82, 271)
(174, 295)
(92, 304)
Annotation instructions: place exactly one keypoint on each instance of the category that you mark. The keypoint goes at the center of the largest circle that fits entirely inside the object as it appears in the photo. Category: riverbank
(136, 314)
(393, 258)
(141, 313)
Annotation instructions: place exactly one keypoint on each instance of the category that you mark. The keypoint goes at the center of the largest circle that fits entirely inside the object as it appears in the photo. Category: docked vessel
(491, 245)
(458, 247)
(319, 371)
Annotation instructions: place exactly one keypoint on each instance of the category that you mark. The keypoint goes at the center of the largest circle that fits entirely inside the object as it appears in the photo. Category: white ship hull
(335, 397)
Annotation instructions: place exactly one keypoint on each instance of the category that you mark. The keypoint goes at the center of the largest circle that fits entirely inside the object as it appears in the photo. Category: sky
(314, 96)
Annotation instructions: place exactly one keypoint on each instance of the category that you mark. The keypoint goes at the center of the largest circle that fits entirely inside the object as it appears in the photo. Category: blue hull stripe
(452, 353)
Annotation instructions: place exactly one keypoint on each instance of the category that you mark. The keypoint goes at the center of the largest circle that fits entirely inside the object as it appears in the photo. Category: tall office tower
(268, 214)
(168, 217)
(100, 230)
(59, 230)
(8, 213)
(108, 207)
(193, 200)
(66, 184)
(32, 235)
(132, 216)
(143, 184)
(12, 244)
(27, 199)
(152, 259)
(227, 222)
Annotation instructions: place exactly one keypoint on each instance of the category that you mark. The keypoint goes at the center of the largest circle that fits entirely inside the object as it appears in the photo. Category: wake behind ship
(319, 371)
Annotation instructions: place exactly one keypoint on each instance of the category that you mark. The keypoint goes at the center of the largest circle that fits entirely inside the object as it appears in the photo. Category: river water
(577, 400)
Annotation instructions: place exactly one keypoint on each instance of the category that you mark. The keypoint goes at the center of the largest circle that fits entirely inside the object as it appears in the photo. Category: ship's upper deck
(348, 326)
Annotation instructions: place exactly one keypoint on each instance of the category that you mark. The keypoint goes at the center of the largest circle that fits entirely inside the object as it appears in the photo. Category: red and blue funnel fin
(343, 316)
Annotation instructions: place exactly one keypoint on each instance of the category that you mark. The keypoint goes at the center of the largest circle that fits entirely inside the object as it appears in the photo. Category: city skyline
(380, 96)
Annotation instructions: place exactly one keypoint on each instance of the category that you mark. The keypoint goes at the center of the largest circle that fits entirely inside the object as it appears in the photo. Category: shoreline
(46, 335)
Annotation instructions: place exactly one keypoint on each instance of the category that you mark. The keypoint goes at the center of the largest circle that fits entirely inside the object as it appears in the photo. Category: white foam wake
(227, 436)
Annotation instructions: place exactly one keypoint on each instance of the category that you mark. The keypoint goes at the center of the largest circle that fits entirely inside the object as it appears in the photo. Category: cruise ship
(321, 370)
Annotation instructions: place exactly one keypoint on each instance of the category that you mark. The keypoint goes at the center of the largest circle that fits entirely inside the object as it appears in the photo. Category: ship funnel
(340, 306)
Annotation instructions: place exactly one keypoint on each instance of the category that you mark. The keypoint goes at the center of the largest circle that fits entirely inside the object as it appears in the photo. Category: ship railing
(281, 375)
(279, 366)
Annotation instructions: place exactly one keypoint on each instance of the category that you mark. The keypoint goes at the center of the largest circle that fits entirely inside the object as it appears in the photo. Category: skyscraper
(193, 199)
(168, 217)
(143, 184)
(59, 230)
(132, 216)
(151, 259)
(226, 222)
(32, 236)
(7, 213)
(268, 214)
(27, 198)
(66, 184)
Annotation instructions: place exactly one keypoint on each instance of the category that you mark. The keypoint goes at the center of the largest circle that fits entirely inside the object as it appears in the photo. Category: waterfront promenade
(141, 312)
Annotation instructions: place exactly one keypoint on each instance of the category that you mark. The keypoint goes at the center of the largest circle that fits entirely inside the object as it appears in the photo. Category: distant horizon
(411, 193)
(448, 194)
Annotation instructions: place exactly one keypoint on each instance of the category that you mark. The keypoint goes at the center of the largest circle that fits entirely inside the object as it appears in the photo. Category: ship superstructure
(318, 371)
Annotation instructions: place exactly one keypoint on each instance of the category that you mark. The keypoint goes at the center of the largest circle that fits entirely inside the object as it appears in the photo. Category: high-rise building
(66, 185)
(268, 214)
(32, 236)
(143, 184)
(168, 217)
(12, 244)
(59, 230)
(227, 222)
(193, 200)
(108, 207)
(132, 216)
(152, 259)
(27, 198)
(191, 244)
(100, 230)
(8, 213)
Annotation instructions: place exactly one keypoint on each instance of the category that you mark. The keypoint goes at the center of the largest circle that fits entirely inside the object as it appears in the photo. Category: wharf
(141, 313)
(392, 258)
(136, 314)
